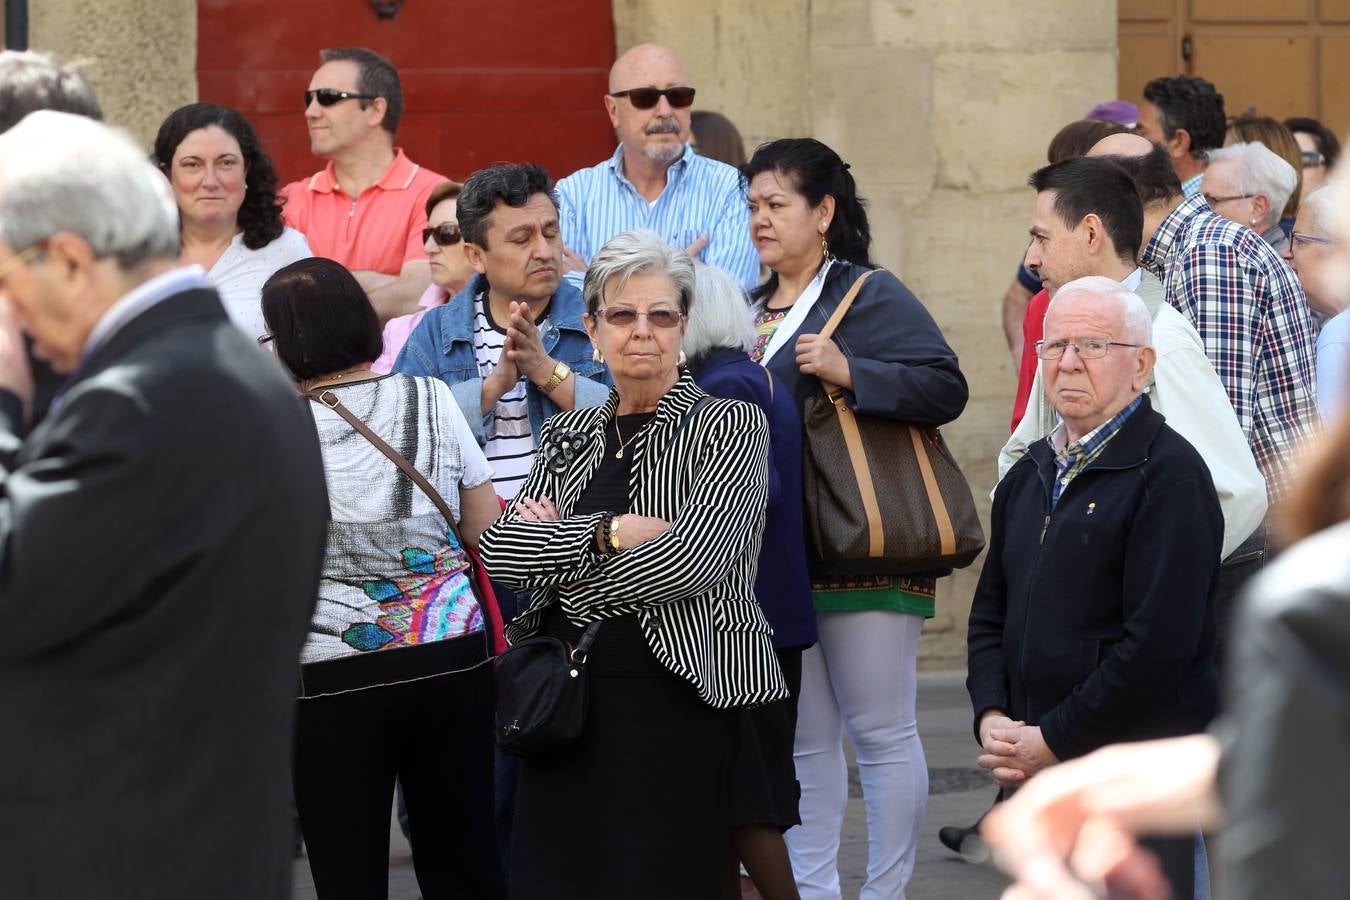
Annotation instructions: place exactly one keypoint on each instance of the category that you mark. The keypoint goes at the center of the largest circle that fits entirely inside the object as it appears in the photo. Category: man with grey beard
(655, 180)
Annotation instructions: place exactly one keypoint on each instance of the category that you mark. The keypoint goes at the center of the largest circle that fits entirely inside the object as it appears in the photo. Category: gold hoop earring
(682, 360)
(596, 357)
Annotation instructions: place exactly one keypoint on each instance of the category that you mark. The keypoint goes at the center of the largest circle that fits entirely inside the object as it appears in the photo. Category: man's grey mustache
(663, 126)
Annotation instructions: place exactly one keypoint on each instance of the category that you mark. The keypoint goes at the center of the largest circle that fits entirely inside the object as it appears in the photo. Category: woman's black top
(620, 648)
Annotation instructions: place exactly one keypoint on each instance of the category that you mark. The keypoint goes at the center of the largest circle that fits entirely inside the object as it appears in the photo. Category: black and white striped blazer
(693, 587)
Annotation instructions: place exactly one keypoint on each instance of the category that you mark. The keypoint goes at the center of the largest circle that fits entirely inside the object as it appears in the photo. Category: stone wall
(943, 110)
(140, 55)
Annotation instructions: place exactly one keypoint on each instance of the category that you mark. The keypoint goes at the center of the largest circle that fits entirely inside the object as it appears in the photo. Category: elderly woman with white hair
(1323, 273)
(1250, 184)
(718, 339)
(639, 527)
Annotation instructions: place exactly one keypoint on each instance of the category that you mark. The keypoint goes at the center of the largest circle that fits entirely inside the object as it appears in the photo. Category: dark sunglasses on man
(1312, 159)
(445, 234)
(329, 96)
(647, 97)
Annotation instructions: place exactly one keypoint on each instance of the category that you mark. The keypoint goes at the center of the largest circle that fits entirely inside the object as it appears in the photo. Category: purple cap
(1121, 111)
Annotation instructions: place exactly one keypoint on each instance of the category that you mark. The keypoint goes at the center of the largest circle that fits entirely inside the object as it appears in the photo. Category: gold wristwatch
(560, 372)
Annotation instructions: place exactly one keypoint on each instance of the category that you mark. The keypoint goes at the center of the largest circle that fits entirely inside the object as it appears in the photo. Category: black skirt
(765, 788)
(640, 806)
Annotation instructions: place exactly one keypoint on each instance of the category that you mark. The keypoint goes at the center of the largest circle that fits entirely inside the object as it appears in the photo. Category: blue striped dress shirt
(702, 196)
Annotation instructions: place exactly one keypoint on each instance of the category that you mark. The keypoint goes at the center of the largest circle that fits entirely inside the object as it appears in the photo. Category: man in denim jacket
(511, 345)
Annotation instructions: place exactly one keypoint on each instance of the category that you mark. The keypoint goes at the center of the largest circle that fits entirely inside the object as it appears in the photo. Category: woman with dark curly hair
(230, 217)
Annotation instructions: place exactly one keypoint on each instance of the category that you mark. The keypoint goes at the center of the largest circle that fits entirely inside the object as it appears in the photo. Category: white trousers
(860, 677)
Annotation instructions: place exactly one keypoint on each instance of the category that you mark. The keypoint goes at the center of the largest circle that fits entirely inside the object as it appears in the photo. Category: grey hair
(720, 317)
(1260, 170)
(63, 172)
(30, 80)
(637, 253)
(1138, 323)
(1326, 205)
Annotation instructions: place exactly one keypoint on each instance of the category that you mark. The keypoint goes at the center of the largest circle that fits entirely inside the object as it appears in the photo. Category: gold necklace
(618, 454)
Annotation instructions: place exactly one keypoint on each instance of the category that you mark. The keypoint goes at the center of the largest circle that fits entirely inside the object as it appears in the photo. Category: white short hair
(1138, 323)
(1328, 210)
(719, 317)
(63, 172)
(632, 253)
(1260, 170)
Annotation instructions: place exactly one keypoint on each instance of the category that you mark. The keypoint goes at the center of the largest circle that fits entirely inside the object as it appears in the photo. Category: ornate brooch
(562, 449)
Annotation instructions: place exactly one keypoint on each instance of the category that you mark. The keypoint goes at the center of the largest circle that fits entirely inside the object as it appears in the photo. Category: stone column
(141, 54)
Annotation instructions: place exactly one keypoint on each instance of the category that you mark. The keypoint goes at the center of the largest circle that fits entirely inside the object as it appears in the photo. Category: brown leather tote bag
(882, 497)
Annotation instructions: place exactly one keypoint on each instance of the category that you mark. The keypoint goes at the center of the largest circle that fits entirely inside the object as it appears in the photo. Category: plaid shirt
(1072, 459)
(1252, 315)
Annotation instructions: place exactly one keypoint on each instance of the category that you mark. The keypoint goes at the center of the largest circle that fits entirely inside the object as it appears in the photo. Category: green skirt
(897, 593)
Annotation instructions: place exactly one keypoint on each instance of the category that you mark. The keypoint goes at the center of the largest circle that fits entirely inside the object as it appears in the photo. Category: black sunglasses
(329, 96)
(446, 234)
(647, 97)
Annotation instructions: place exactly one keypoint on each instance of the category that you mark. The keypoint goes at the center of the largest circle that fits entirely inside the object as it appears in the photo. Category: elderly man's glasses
(1298, 237)
(624, 317)
(1215, 201)
(329, 96)
(1089, 349)
(446, 234)
(18, 259)
(647, 97)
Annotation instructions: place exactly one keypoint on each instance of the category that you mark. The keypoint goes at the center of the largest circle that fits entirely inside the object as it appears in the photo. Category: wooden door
(1278, 58)
(509, 80)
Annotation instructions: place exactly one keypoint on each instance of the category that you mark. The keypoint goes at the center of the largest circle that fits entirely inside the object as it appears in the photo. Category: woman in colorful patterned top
(394, 680)
(888, 355)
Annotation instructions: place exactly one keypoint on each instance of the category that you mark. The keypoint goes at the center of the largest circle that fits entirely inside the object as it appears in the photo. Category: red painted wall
(483, 81)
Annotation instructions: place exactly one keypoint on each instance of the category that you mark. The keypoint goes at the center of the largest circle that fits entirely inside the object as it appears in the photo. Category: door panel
(1144, 57)
(1273, 75)
(1248, 11)
(1146, 9)
(515, 80)
(1333, 10)
(1335, 82)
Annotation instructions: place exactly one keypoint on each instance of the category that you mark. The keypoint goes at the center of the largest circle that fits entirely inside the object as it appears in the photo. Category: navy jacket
(1094, 620)
(782, 585)
(902, 366)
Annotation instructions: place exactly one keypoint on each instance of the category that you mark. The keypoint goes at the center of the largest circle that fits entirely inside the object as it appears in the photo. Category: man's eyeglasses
(1090, 349)
(329, 96)
(1298, 237)
(264, 338)
(1312, 159)
(1214, 201)
(624, 317)
(446, 234)
(19, 259)
(647, 97)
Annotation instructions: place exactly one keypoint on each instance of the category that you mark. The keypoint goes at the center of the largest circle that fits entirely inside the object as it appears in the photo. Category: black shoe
(965, 841)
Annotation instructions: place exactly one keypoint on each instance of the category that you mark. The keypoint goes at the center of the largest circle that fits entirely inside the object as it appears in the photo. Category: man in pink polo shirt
(367, 207)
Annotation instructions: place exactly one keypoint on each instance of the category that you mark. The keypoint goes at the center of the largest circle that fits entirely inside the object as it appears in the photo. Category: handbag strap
(837, 316)
(330, 400)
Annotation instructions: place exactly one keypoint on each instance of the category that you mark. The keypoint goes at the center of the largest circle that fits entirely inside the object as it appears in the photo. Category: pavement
(958, 793)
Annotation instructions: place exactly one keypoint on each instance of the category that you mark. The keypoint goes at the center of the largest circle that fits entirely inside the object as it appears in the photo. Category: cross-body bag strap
(330, 400)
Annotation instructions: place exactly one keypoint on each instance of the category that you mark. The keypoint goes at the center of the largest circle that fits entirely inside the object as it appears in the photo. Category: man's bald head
(1122, 145)
(647, 65)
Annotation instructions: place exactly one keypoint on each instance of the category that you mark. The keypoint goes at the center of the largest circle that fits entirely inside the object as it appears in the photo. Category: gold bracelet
(614, 535)
(560, 373)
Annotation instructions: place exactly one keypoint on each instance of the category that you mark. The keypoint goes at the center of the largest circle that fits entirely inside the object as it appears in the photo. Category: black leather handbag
(541, 693)
(541, 681)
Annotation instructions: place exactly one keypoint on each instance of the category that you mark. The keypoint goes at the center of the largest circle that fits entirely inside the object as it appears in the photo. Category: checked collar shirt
(1252, 316)
(1071, 459)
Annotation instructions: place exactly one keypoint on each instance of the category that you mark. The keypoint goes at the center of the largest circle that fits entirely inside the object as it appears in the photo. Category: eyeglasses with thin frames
(264, 339)
(624, 317)
(19, 259)
(1088, 349)
(1215, 201)
(1298, 237)
(330, 96)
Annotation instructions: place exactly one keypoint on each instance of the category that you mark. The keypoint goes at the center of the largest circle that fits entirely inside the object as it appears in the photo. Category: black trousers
(433, 735)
